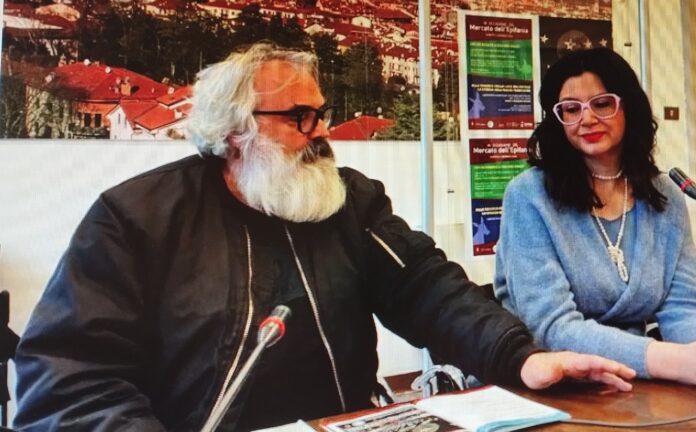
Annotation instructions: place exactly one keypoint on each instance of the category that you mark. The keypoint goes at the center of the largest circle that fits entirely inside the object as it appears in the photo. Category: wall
(667, 77)
(45, 189)
(689, 34)
(669, 38)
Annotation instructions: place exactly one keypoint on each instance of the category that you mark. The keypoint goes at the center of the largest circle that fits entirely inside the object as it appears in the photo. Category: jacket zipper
(245, 335)
(386, 248)
(317, 320)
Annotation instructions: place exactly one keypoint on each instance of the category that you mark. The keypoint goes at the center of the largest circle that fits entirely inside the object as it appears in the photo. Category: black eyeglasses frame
(299, 112)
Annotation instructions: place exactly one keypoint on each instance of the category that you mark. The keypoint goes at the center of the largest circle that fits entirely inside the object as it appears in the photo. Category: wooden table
(649, 401)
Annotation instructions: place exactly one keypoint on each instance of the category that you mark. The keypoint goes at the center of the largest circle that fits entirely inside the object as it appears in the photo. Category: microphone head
(273, 327)
(282, 312)
(683, 182)
(678, 176)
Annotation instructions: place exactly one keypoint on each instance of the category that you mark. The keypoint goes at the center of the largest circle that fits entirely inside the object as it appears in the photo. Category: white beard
(285, 185)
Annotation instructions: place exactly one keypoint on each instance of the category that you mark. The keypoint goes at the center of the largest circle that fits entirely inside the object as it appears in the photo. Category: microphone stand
(268, 335)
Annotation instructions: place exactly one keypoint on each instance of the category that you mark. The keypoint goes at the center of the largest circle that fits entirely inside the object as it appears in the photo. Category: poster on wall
(560, 36)
(123, 70)
(499, 72)
(494, 162)
(506, 58)
(588, 9)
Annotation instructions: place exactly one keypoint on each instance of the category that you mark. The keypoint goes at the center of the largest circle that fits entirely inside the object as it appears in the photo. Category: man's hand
(541, 370)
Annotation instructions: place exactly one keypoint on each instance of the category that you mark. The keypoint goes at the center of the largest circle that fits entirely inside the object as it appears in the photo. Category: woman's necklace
(615, 252)
(606, 177)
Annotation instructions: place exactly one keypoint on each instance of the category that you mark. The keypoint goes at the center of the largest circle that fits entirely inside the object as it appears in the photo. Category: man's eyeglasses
(604, 106)
(307, 118)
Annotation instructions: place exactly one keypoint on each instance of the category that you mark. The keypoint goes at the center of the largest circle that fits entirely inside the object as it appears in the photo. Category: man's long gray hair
(224, 96)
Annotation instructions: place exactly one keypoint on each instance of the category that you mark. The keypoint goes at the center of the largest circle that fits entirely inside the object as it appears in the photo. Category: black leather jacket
(146, 312)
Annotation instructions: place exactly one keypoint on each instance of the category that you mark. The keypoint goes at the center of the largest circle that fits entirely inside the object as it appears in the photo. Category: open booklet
(486, 409)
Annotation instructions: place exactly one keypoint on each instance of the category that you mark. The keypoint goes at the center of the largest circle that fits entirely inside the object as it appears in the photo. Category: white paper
(300, 426)
(490, 408)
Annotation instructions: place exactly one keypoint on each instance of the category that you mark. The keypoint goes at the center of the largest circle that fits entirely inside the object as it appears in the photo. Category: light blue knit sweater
(553, 271)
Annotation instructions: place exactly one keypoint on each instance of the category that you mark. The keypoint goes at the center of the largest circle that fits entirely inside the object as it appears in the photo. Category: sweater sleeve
(79, 362)
(531, 282)
(430, 302)
(677, 314)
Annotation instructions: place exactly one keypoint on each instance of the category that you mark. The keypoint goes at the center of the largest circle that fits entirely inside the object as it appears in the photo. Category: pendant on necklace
(615, 253)
(617, 257)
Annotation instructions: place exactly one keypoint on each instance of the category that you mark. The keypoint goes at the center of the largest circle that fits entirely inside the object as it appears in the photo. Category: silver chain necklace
(615, 252)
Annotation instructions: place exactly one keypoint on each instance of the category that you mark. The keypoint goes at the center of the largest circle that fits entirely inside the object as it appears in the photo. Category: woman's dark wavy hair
(565, 173)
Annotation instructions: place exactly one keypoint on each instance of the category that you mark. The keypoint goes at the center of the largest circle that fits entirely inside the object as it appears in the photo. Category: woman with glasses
(594, 241)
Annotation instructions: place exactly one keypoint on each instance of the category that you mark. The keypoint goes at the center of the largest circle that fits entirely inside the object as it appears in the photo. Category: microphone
(271, 330)
(683, 181)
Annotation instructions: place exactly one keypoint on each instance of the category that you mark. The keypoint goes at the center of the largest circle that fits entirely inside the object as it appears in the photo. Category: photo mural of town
(123, 69)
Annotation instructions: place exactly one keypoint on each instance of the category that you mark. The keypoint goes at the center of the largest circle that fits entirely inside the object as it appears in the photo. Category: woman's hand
(541, 370)
(671, 361)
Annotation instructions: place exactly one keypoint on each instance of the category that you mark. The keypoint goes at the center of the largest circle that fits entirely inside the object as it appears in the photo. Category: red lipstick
(593, 137)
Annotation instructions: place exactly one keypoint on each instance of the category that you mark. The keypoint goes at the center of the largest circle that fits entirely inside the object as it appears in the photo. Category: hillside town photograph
(123, 69)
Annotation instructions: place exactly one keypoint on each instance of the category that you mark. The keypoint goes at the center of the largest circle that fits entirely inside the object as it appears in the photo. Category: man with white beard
(155, 305)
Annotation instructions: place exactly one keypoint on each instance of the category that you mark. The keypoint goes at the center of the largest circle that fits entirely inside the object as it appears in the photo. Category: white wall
(45, 189)
(667, 81)
(670, 37)
(689, 36)
(671, 68)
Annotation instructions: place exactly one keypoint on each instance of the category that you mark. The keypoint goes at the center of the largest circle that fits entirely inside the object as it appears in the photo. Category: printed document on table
(401, 418)
(491, 409)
